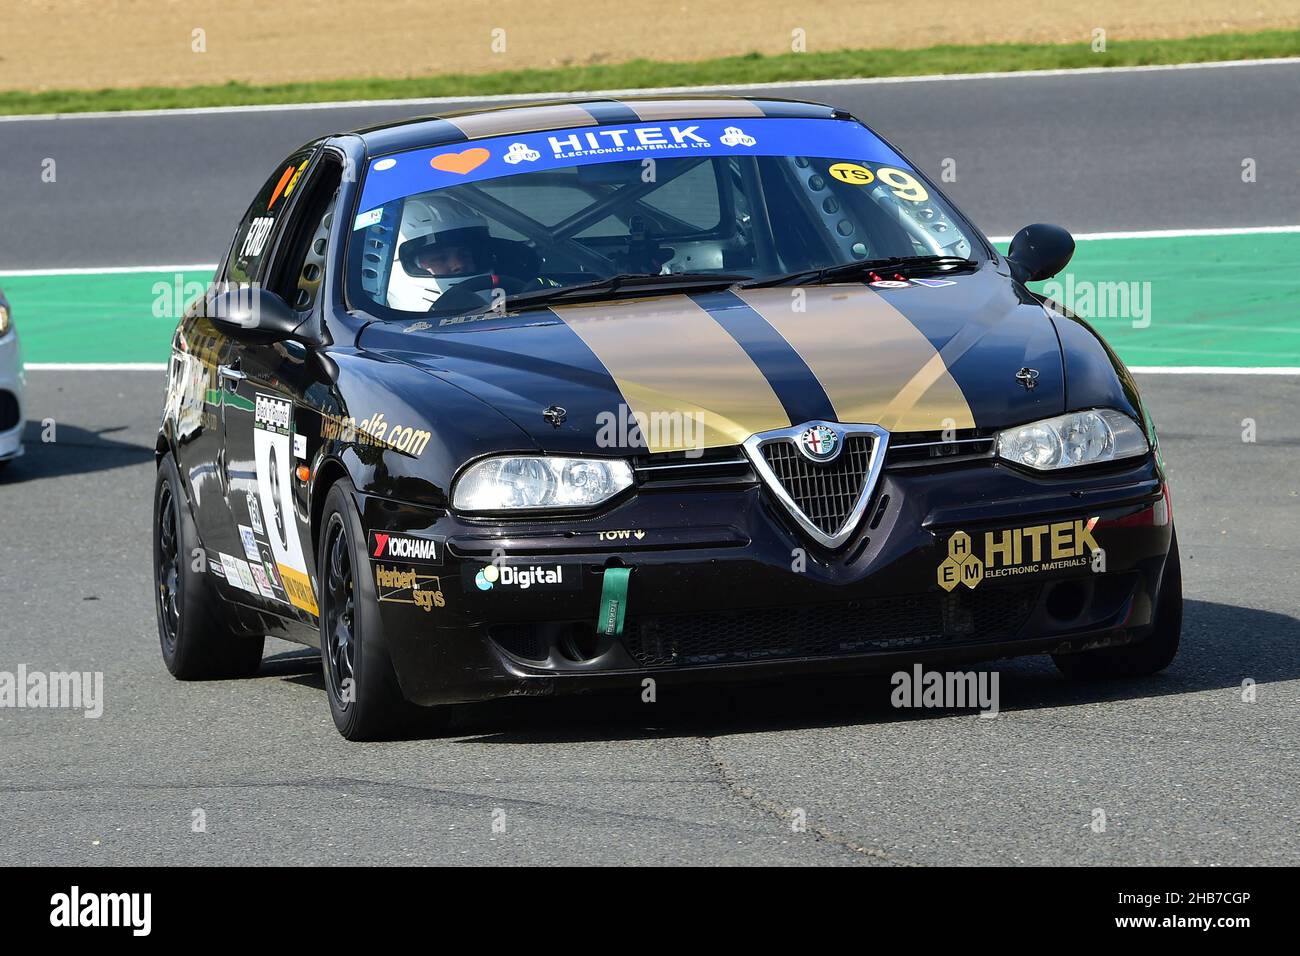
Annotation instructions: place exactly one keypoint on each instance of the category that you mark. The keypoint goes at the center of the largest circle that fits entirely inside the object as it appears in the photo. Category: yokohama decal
(385, 546)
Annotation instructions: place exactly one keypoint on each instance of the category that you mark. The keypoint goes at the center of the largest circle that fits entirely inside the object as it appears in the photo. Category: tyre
(1145, 657)
(197, 642)
(364, 697)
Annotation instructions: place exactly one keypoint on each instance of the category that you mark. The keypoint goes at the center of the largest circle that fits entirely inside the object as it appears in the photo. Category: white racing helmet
(431, 224)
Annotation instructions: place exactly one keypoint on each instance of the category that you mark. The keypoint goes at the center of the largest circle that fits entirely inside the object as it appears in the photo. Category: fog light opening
(579, 642)
(1067, 599)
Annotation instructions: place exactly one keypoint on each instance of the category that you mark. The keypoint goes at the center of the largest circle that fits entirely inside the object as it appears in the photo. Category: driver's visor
(451, 254)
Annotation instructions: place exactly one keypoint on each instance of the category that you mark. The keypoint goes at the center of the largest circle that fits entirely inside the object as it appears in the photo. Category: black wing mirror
(1039, 252)
(254, 314)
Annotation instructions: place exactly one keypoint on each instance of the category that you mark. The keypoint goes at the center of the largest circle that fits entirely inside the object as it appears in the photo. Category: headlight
(519, 482)
(1080, 438)
(4, 320)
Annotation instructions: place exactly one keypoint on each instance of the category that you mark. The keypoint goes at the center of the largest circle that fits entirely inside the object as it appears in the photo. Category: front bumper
(724, 587)
(12, 389)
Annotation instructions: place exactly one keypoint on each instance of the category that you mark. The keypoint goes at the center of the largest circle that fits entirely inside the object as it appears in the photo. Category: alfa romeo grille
(825, 493)
(822, 473)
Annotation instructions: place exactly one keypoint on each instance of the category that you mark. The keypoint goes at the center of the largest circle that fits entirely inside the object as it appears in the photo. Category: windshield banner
(452, 164)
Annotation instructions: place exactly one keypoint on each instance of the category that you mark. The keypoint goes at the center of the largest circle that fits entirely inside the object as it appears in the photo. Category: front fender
(1095, 377)
(402, 434)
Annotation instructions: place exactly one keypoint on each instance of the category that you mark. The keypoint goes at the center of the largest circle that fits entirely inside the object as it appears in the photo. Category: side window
(299, 267)
(254, 235)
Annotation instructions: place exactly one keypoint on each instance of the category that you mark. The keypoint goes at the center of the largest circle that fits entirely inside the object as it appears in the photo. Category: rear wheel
(1145, 657)
(364, 697)
(196, 641)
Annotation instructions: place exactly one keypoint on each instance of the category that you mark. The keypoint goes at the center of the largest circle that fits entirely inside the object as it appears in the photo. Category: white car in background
(12, 381)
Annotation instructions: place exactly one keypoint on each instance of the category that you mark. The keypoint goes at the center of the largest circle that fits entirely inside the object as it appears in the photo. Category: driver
(442, 242)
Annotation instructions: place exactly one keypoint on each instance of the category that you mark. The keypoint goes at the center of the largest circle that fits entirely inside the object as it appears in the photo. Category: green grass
(750, 68)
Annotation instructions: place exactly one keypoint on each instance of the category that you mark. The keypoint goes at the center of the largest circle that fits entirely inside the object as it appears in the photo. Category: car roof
(465, 125)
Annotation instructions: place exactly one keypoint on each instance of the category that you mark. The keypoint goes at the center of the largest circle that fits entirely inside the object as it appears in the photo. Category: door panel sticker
(273, 454)
(237, 573)
(250, 543)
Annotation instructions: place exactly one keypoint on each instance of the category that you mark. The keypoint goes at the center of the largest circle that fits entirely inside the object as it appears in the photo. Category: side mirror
(1039, 252)
(254, 314)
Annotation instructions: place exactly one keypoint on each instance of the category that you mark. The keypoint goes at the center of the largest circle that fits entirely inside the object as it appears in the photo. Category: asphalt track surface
(1185, 771)
(1094, 152)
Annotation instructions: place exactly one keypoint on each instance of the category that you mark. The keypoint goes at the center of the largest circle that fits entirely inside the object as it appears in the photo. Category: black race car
(550, 398)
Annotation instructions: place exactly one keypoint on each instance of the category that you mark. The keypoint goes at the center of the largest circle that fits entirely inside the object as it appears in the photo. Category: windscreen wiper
(624, 282)
(901, 265)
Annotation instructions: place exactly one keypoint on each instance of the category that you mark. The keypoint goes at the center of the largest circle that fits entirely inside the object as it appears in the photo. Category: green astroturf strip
(126, 317)
(1195, 300)
(1212, 300)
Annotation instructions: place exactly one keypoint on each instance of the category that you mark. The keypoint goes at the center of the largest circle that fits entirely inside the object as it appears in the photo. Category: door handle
(231, 376)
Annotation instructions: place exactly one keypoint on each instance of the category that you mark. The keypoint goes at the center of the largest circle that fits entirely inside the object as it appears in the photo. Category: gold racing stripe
(875, 365)
(524, 120)
(713, 108)
(679, 371)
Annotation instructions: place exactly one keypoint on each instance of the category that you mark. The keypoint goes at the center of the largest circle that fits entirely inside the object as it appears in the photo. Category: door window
(255, 233)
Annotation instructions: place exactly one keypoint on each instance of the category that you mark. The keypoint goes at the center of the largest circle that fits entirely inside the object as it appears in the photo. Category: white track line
(727, 87)
(1172, 233)
(96, 366)
(1213, 370)
(107, 270)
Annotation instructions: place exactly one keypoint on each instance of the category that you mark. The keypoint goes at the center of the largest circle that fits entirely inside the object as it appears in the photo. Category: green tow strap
(613, 602)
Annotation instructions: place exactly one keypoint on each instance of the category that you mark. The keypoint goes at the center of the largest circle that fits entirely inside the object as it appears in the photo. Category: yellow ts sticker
(852, 173)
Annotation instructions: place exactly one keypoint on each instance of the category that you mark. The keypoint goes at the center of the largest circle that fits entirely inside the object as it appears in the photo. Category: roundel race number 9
(904, 184)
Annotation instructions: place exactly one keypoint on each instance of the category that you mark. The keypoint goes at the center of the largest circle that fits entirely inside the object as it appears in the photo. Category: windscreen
(452, 229)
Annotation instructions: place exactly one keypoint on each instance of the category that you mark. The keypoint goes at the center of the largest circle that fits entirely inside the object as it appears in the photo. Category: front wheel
(364, 697)
(1145, 657)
